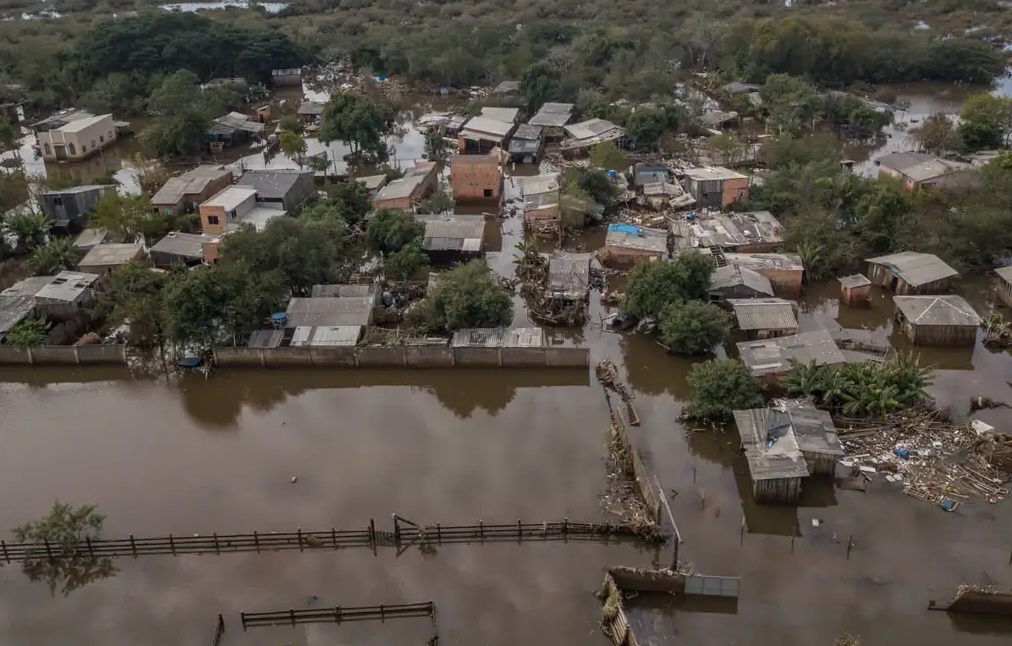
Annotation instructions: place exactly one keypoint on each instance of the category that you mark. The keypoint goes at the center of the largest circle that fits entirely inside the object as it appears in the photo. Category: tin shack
(937, 320)
(910, 272)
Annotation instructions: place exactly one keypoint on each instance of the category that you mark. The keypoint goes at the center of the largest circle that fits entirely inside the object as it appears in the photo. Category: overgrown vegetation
(653, 286)
(29, 333)
(719, 387)
(862, 389)
(466, 296)
(693, 327)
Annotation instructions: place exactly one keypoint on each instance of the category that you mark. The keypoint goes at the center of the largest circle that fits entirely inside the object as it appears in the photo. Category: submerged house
(527, 144)
(553, 117)
(764, 318)
(732, 281)
(569, 276)
(624, 244)
(234, 129)
(67, 295)
(73, 135)
(920, 170)
(404, 193)
(937, 320)
(187, 191)
(753, 232)
(452, 238)
(69, 208)
(716, 187)
(284, 189)
(770, 359)
(910, 272)
(1003, 285)
(783, 445)
(785, 271)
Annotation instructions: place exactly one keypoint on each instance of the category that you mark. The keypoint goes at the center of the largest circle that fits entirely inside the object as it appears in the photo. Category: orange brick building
(475, 177)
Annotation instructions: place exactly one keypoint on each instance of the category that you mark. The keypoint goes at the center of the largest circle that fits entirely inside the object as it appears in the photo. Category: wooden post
(217, 550)
(91, 549)
(481, 530)
(256, 541)
(337, 614)
(743, 529)
(172, 547)
(674, 557)
(291, 613)
(702, 499)
(520, 531)
(372, 532)
(850, 544)
(298, 536)
(6, 556)
(439, 534)
(333, 536)
(792, 543)
(693, 471)
(397, 531)
(133, 546)
(49, 554)
(242, 618)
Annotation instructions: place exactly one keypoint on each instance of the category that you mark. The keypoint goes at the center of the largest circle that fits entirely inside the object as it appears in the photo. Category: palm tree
(55, 256)
(28, 228)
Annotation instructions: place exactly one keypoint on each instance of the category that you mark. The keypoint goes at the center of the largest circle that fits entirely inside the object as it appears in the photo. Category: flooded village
(493, 370)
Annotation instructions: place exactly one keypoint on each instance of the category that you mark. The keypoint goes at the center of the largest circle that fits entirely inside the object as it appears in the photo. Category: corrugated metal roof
(854, 280)
(486, 126)
(902, 161)
(330, 311)
(301, 336)
(66, 287)
(112, 254)
(192, 182)
(916, 268)
(527, 131)
(187, 245)
(336, 335)
(569, 274)
(764, 313)
(712, 586)
(732, 276)
(506, 115)
(500, 337)
(1005, 273)
(13, 310)
(273, 184)
(937, 310)
(454, 233)
(27, 287)
(334, 291)
(265, 338)
(773, 356)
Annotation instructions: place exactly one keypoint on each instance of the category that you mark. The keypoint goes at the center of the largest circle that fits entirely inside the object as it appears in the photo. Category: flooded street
(457, 446)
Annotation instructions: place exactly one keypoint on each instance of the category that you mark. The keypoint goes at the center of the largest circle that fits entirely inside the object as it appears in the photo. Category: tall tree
(792, 104)
(125, 217)
(390, 230)
(135, 294)
(293, 145)
(466, 296)
(652, 286)
(357, 121)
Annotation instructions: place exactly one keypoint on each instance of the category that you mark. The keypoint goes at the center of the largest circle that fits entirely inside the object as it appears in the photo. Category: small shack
(764, 318)
(553, 117)
(452, 238)
(624, 244)
(541, 200)
(179, 249)
(104, 258)
(732, 281)
(937, 320)
(910, 272)
(13, 310)
(326, 336)
(66, 295)
(785, 271)
(482, 134)
(785, 443)
(332, 311)
(69, 208)
(855, 290)
(372, 183)
(589, 133)
(569, 276)
(505, 115)
(233, 129)
(526, 144)
(1003, 285)
(404, 193)
(770, 359)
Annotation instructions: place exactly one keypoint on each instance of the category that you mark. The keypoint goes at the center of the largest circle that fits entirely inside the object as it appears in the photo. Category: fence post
(520, 531)
(172, 547)
(6, 556)
(77, 355)
(91, 550)
(298, 535)
(256, 541)
(48, 553)
(397, 531)
(381, 612)
(439, 538)
(372, 533)
(217, 550)
(333, 536)
(337, 614)
(291, 613)
(481, 530)
(850, 544)
(133, 546)
(31, 359)
(242, 618)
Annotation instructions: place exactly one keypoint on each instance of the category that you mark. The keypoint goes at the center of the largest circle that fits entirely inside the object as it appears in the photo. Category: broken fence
(405, 534)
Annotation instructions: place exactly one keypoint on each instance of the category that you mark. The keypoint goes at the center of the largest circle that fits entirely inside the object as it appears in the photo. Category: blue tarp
(624, 228)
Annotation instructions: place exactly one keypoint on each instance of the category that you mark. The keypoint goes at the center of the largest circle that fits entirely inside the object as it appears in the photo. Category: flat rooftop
(67, 286)
(112, 254)
(231, 197)
(773, 356)
(630, 236)
(727, 230)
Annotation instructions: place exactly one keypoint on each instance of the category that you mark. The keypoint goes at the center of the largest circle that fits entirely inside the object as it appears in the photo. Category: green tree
(408, 262)
(126, 217)
(358, 122)
(27, 228)
(608, 156)
(721, 386)
(437, 148)
(983, 121)
(306, 251)
(291, 123)
(8, 136)
(55, 256)
(182, 114)
(589, 184)
(652, 286)
(65, 527)
(646, 125)
(937, 134)
(222, 303)
(792, 104)
(693, 327)
(135, 294)
(540, 82)
(29, 333)
(390, 231)
(730, 147)
(293, 145)
(466, 296)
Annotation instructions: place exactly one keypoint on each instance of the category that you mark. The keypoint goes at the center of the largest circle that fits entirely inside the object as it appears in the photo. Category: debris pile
(532, 272)
(936, 460)
(607, 374)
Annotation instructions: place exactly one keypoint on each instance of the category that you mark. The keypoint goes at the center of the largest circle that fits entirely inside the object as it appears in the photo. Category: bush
(693, 327)
(29, 333)
(466, 296)
(721, 386)
(653, 286)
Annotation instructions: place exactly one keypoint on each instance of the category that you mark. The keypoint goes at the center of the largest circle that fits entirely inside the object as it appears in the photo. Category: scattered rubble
(937, 460)
(607, 374)
(532, 273)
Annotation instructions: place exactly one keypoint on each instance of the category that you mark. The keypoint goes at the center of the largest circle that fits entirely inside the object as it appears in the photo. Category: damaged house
(753, 232)
(770, 359)
(909, 272)
(527, 144)
(569, 276)
(785, 271)
(453, 238)
(784, 444)
(233, 129)
(589, 133)
(716, 187)
(403, 194)
(480, 135)
(937, 320)
(732, 281)
(624, 244)
(764, 318)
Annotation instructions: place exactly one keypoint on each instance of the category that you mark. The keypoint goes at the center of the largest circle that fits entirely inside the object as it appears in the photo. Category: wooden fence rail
(337, 614)
(219, 630)
(404, 533)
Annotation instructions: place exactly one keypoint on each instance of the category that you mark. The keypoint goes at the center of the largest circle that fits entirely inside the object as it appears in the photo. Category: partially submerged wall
(63, 355)
(973, 600)
(403, 357)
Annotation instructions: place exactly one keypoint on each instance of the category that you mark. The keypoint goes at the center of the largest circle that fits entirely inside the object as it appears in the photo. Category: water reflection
(69, 574)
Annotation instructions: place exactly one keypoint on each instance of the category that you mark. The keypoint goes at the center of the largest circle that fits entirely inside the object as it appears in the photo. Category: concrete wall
(63, 355)
(403, 357)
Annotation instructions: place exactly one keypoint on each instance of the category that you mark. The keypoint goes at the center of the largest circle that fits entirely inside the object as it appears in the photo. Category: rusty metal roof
(764, 313)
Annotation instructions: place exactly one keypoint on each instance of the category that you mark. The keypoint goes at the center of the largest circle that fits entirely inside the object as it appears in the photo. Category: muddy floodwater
(198, 456)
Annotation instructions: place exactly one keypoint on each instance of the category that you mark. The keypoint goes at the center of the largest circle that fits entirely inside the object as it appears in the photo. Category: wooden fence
(219, 631)
(107, 354)
(405, 533)
(337, 614)
(403, 357)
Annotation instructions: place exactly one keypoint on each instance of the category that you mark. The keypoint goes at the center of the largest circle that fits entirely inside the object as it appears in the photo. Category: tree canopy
(357, 121)
(466, 296)
(721, 386)
(652, 286)
(693, 327)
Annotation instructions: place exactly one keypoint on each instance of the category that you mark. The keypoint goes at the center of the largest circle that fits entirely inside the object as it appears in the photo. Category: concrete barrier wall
(63, 355)
(402, 356)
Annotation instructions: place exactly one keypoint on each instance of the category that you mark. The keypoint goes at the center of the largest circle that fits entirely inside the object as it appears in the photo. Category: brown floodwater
(199, 456)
